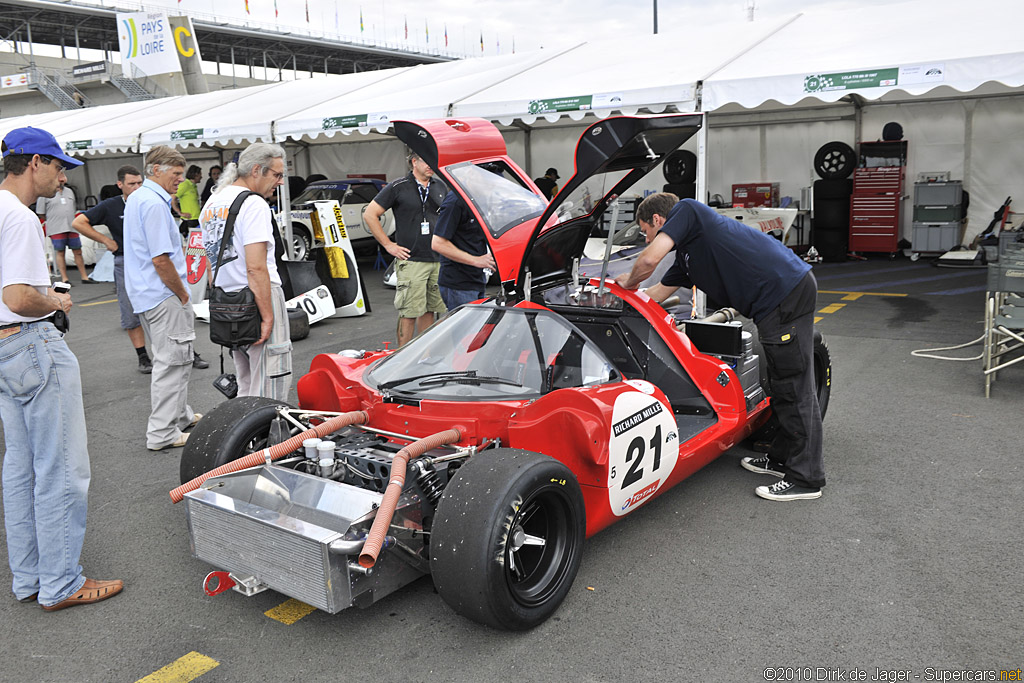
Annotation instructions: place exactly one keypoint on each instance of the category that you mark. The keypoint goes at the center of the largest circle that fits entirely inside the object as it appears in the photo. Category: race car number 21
(643, 450)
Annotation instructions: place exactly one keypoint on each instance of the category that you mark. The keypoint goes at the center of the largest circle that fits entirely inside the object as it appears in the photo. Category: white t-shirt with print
(252, 225)
(22, 255)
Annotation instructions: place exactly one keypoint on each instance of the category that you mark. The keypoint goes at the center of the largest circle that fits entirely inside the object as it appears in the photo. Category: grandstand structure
(240, 54)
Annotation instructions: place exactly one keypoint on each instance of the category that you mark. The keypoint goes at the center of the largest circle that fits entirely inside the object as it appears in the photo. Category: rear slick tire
(507, 538)
(231, 430)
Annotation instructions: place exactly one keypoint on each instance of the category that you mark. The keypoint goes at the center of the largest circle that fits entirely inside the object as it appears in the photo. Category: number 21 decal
(643, 446)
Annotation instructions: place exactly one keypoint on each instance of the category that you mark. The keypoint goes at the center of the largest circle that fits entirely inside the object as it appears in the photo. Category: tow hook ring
(216, 583)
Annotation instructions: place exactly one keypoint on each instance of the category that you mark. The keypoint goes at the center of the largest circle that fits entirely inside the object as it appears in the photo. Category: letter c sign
(185, 52)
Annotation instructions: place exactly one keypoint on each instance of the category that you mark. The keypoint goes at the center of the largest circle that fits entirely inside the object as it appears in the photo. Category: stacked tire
(680, 169)
(834, 162)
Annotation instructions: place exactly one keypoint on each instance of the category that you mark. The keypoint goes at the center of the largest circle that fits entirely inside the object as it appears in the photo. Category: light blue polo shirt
(149, 231)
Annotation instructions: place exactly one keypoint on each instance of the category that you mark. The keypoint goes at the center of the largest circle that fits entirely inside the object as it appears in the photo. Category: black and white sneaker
(787, 490)
(762, 465)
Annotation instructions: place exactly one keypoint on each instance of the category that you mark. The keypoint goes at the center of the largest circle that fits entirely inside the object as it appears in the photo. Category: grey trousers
(266, 369)
(171, 331)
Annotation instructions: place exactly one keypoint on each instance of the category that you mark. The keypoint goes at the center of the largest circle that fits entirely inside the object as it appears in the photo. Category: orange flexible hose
(386, 511)
(274, 452)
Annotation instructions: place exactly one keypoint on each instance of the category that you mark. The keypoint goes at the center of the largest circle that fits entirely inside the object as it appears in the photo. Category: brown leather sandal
(90, 592)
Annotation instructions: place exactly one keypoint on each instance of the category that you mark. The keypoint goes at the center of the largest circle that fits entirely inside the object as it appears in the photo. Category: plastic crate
(1011, 245)
(935, 236)
(1006, 276)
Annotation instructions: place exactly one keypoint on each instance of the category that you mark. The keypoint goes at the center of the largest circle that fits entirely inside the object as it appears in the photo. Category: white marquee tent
(774, 92)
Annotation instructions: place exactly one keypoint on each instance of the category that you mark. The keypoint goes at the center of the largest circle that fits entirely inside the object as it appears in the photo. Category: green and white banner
(187, 134)
(354, 121)
(578, 103)
(875, 78)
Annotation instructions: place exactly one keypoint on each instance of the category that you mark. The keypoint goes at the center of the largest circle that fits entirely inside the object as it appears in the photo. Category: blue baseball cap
(30, 140)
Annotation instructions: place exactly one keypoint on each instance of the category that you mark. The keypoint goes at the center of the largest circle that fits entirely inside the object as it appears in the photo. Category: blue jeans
(46, 465)
(453, 298)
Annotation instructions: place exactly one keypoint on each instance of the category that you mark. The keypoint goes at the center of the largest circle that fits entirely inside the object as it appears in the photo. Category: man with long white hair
(263, 368)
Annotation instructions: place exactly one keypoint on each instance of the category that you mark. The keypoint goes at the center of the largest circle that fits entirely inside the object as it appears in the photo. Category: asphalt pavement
(909, 562)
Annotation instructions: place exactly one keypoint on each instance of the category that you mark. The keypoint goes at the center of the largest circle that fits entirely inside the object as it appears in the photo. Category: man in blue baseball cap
(46, 463)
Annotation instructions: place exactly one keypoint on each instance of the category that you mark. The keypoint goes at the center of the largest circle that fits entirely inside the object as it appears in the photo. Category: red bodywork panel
(604, 434)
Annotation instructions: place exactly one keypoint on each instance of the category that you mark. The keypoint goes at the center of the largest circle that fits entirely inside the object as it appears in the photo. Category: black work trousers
(787, 335)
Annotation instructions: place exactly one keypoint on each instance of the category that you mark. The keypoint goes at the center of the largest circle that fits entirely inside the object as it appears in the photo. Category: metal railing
(57, 88)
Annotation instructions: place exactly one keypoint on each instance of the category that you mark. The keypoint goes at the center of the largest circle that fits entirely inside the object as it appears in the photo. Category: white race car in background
(353, 194)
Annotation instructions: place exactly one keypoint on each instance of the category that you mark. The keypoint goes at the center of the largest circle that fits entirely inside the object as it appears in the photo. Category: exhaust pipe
(386, 511)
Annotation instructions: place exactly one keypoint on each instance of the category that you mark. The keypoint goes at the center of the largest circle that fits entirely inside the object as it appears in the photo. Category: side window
(363, 193)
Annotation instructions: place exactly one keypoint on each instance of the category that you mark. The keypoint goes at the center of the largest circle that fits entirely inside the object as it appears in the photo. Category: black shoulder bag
(234, 316)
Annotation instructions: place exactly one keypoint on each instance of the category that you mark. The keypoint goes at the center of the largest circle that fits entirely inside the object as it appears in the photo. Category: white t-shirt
(252, 225)
(22, 256)
(59, 211)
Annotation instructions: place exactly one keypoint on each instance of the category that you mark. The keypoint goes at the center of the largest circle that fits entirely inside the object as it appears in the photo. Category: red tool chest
(877, 193)
(755, 194)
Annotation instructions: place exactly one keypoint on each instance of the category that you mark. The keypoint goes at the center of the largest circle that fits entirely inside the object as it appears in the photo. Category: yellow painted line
(832, 308)
(833, 291)
(853, 297)
(290, 611)
(818, 319)
(185, 669)
(97, 303)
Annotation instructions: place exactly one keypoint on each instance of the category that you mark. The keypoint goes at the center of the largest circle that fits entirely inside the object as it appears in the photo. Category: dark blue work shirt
(734, 264)
(457, 224)
(110, 212)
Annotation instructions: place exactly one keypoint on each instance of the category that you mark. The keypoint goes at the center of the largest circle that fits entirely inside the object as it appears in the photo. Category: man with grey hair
(155, 278)
(263, 368)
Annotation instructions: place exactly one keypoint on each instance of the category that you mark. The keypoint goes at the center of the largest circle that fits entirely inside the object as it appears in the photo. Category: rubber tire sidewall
(469, 535)
(823, 364)
(680, 166)
(222, 434)
(843, 171)
(298, 324)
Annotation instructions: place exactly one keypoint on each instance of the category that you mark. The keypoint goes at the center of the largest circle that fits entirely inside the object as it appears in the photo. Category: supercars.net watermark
(838, 673)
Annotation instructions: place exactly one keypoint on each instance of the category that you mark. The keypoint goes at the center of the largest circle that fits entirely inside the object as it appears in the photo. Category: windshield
(582, 200)
(487, 352)
(316, 193)
(502, 203)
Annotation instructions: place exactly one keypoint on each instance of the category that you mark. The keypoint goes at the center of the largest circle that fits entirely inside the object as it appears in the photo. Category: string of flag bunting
(405, 26)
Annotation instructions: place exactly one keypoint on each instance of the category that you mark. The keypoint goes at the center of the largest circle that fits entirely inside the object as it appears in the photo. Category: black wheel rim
(540, 546)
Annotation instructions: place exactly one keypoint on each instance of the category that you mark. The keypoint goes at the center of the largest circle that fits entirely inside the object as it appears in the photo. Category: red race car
(485, 450)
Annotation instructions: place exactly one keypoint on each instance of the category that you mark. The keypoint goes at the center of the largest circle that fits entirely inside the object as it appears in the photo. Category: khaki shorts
(417, 293)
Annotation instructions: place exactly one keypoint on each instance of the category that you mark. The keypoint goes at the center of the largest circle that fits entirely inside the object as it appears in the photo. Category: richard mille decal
(643, 449)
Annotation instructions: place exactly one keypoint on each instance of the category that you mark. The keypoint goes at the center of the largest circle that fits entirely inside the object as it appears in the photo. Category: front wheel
(233, 429)
(508, 538)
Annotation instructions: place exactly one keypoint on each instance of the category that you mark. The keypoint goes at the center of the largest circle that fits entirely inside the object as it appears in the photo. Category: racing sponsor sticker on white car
(642, 450)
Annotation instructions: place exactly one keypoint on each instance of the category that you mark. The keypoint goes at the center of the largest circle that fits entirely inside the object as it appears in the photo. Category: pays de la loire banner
(147, 41)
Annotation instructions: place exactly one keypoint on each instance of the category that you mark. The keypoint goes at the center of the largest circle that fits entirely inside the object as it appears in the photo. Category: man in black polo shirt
(548, 183)
(110, 212)
(460, 241)
(415, 199)
(754, 273)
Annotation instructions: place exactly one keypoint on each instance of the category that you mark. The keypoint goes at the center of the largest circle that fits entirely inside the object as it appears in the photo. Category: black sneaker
(787, 490)
(198, 362)
(762, 465)
(145, 365)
